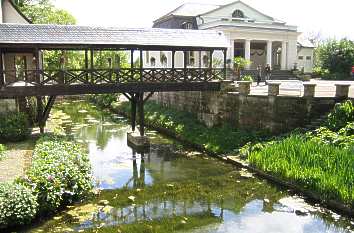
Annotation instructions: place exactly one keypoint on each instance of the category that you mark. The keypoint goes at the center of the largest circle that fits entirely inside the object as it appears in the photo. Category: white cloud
(332, 18)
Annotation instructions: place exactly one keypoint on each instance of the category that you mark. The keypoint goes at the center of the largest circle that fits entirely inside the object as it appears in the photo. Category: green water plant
(247, 78)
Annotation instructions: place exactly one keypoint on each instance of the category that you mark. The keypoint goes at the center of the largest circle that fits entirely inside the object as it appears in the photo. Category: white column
(283, 55)
(248, 51)
(269, 52)
(231, 52)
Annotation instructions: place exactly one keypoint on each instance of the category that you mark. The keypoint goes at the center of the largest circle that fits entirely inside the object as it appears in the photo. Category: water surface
(172, 189)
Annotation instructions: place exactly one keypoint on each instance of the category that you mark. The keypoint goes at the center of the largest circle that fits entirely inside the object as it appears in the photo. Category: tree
(336, 56)
(240, 64)
(44, 12)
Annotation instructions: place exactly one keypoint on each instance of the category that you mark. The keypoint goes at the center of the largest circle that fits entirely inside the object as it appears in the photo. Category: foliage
(343, 138)
(336, 56)
(14, 126)
(218, 139)
(17, 205)
(320, 72)
(341, 115)
(247, 78)
(60, 173)
(104, 100)
(44, 12)
(326, 169)
(2, 151)
(240, 64)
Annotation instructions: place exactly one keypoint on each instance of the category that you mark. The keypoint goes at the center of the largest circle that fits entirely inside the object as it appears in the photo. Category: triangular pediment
(227, 11)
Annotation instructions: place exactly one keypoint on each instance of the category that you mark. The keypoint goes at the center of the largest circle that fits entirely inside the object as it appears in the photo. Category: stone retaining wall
(277, 114)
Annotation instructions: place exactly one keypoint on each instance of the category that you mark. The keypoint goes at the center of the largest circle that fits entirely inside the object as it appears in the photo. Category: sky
(333, 19)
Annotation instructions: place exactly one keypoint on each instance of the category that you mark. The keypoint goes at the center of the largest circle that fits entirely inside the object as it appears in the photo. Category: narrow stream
(171, 189)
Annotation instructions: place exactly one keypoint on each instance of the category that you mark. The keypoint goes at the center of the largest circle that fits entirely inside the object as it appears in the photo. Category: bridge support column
(138, 140)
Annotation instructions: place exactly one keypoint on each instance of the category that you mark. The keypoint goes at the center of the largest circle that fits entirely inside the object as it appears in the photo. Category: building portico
(252, 34)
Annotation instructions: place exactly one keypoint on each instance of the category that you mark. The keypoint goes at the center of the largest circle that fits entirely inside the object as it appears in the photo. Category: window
(147, 57)
(187, 25)
(190, 58)
(238, 14)
(163, 59)
(301, 57)
(308, 58)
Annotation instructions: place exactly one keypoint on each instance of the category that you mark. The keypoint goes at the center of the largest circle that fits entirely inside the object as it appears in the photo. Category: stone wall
(277, 114)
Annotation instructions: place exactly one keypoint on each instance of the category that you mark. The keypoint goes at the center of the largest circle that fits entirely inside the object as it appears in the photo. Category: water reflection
(168, 189)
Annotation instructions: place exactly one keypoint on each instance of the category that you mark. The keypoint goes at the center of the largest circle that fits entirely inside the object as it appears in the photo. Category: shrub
(60, 173)
(17, 205)
(14, 126)
(247, 78)
(341, 115)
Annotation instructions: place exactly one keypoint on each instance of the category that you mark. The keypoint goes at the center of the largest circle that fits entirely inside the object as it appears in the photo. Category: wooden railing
(113, 76)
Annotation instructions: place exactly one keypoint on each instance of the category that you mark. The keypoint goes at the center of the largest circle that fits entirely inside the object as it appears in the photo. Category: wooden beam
(2, 76)
(92, 62)
(48, 90)
(48, 108)
(133, 111)
(86, 63)
(132, 59)
(141, 113)
(141, 65)
(148, 96)
(40, 113)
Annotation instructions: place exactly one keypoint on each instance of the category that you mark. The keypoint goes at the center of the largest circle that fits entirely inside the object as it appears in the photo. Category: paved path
(295, 88)
(17, 159)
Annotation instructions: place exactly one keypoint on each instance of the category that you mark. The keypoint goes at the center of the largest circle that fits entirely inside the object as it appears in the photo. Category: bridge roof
(73, 36)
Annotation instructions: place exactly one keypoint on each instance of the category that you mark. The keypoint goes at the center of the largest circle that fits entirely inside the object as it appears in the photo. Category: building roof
(189, 10)
(305, 43)
(49, 35)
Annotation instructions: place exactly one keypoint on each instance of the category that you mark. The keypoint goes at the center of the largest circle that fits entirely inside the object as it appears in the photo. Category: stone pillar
(273, 89)
(269, 52)
(283, 55)
(309, 89)
(248, 51)
(342, 90)
(244, 87)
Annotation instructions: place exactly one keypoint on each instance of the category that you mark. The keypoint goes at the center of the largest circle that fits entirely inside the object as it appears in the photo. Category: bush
(247, 78)
(60, 173)
(341, 115)
(17, 205)
(14, 126)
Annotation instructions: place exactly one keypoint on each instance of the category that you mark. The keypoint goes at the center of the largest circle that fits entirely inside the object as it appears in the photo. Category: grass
(323, 168)
(2, 151)
(185, 125)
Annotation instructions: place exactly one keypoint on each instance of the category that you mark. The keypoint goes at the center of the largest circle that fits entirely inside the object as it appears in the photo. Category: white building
(252, 35)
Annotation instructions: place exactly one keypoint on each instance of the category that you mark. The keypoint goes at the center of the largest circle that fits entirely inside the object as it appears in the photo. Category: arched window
(238, 14)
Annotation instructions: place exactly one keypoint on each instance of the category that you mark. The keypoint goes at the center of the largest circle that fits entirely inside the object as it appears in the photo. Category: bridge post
(141, 113)
(2, 80)
(133, 111)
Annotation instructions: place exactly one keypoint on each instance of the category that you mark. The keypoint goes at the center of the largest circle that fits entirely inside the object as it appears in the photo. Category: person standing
(267, 72)
(259, 74)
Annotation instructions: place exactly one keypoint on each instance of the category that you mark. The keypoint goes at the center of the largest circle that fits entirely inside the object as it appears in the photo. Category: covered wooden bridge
(137, 81)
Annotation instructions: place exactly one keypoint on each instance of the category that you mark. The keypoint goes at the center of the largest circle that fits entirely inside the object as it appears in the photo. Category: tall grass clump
(323, 168)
